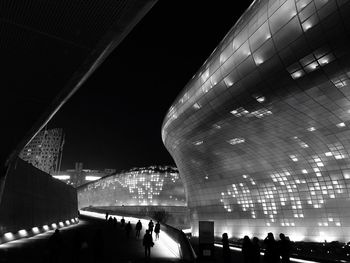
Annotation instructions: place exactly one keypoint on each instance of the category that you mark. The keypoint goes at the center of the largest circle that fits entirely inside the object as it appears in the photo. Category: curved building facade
(261, 133)
(149, 186)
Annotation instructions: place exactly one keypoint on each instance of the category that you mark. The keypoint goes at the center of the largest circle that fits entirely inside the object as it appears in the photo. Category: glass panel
(311, 22)
(282, 16)
(307, 12)
(265, 52)
(260, 36)
(228, 66)
(288, 34)
(240, 38)
(226, 53)
(302, 3)
(242, 53)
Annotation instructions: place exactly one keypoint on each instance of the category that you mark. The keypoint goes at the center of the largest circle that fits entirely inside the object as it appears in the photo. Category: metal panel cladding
(261, 132)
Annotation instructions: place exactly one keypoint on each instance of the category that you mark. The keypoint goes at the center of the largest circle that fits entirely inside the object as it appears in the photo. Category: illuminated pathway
(116, 246)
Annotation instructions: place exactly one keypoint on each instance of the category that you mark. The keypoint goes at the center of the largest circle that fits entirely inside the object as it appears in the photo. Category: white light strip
(23, 234)
(262, 253)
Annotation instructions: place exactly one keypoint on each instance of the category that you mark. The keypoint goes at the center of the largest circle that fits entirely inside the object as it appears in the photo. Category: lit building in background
(149, 186)
(261, 133)
(79, 176)
(45, 150)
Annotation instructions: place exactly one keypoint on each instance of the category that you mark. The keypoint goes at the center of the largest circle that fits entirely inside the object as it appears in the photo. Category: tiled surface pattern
(141, 186)
(261, 132)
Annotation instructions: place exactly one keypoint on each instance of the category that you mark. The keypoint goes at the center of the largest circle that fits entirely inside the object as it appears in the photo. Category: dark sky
(114, 120)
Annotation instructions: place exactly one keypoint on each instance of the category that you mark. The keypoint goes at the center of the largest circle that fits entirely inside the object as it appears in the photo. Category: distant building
(79, 176)
(147, 186)
(45, 150)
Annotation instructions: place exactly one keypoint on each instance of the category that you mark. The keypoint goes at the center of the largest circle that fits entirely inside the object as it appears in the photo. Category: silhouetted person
(128, 229)
(97, 246)
(114, 222)
(106, 216)
(247, 248)
(77, 242)
(55, 246)
(110, 221)
(150, 226)
(284, 247)
(122, 221)
(157, 230)
(271, 249)
(255, 250)
(138, 228)
(226, 253)
(147, 243)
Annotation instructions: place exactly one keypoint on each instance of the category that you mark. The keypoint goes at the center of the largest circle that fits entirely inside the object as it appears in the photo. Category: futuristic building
(45, 150)
(149, 186)
(260, 134)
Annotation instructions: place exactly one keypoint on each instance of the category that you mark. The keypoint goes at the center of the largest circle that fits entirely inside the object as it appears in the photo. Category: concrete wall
(33, 198)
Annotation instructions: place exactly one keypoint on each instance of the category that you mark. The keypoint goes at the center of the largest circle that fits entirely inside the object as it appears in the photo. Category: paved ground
(79, 244)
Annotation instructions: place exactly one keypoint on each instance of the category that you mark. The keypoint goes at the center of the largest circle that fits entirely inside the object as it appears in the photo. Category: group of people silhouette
(147, 240)
(274, 251)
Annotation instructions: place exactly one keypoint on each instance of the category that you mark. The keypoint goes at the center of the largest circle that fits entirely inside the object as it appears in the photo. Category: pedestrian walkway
(80, 243)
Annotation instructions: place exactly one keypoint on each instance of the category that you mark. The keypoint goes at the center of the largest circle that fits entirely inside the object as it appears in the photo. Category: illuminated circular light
(72, 220)
(307, 26)
(35, 230)
(260, 99)
(258, 61)
(46, 227)
(340, 125)
(9, 236)
(54, 225)
(323, 61)
(23, 233)
(67, 222)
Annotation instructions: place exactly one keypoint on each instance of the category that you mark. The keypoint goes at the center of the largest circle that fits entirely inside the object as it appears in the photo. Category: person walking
(55, 246)
(247, 248)
(138, 228)
(284, 248)
(157, 230)
(255, 250)
(150, 226)
(271, 249)
(226, 253)
(147, 243)
(128, 229)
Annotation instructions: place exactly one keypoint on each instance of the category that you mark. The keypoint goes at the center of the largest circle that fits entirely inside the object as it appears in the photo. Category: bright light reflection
(61, 224)
(35, 230)
(23, 233)
(92, 178)
(67, 222)
(54, 225)
(61, 177)
(9, 236)
(46, 227)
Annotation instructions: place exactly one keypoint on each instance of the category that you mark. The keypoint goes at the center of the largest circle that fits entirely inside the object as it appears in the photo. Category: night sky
(114, 120)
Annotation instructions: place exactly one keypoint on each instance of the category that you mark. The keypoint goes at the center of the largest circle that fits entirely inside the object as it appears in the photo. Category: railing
(187, 253)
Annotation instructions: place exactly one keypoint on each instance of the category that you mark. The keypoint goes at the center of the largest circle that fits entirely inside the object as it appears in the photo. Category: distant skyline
(114, 120)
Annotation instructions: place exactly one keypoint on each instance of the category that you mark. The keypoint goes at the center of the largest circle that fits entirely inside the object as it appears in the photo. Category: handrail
(187, 254)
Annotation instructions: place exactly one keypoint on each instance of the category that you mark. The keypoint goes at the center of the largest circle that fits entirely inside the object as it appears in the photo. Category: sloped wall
(33, 198)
